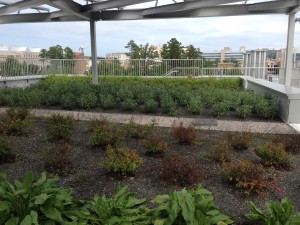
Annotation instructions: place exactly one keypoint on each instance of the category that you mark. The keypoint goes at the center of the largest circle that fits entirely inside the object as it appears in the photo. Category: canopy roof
(24, 11)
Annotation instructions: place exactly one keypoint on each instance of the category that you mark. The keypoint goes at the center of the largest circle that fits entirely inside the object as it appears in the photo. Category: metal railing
(14, 67)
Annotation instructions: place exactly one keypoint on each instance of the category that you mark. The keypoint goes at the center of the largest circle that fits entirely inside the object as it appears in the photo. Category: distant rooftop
(18, 49)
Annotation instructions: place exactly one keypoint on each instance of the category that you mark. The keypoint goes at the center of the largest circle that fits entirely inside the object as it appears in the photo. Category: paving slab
(166, 121)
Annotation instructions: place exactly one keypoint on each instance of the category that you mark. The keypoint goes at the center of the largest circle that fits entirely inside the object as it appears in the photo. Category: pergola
(12, 11)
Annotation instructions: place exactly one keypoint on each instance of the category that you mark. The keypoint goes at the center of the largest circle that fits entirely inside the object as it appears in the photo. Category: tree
(141, 51)
(57, 52)
(172, 50)
(192, 53)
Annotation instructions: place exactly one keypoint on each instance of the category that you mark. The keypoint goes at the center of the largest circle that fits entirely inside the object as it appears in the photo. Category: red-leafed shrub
(184, 135)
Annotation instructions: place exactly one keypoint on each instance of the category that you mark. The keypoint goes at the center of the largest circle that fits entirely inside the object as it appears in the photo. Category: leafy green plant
(121, 209)
(137, 131)
(104, 136)
(249, 176)
(58, 159)
(150, 106)
(265, 108)
(60, 127)
(7, 153)
(191, 207)
(221, 152)
(154, 145)
(121, 160)
(274, 155)
(168, 105)
(69, 101)
(239, 141)
(195, 105)
(107, 101)
(184, 135)
(88, 101)
(40, 202)
(279, 213)
(220, 108)
(181, 170)
(128, 104)
(244, 111)
(15, 121)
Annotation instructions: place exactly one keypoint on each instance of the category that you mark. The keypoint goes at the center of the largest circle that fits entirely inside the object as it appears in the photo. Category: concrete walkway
(164, 121)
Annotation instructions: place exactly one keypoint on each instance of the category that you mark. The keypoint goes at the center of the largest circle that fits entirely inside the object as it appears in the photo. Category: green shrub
(154, 145)
(7, 153)
(220, 108)
(103, 133)
(195, 206)
(265, 108)
(15, 121)
(107, 101)
(184, 135)
(150, 106)
(69, 101)
(274, 155)
(168, 105)
(137, 131)
(195, 105)
(58, 159)
(244, 111)
(40, 202)
(279, 213)
(60, 127)
(88, 101)
(239, 141)
(121, 160)
(121, 208)
(221, 152)
(128, 105)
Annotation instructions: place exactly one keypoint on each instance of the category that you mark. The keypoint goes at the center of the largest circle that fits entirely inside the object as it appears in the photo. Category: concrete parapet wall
(21, 82)
(287, 97)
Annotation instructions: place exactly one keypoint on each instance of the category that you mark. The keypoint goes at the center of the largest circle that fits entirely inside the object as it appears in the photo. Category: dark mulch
(87, 178)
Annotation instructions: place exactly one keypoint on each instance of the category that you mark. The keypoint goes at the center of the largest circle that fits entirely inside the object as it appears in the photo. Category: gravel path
(165, 121)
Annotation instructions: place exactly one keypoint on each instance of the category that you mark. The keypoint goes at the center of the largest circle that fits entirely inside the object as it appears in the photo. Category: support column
(94, 51)
(289, 50)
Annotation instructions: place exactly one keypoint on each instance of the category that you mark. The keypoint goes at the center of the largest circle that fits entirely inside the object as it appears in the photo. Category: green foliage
(154, 145)
(137, 131)
(58, 158)
(248, 176)
(40, 202)
(221, 152)
(60, 127)
(195, 105)
(69, 101)
(265, 108)
(187, 207)
(181, 170)
(244, 111)
(239, 141)
(7, 153)
(279, 213)
(103, 134)
(15, 121)
(121, 160)
(107, 101)
(88, 101)
(274, 155)
(150, 106)
(220, 108)
(128, 105)
(121, 209)
(168, 105)
(184, 135)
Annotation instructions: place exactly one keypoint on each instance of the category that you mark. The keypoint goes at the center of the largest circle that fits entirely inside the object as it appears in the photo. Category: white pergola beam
(186, 6)
(5, 10)
(112, 4)
(273, 5)
(70, 7)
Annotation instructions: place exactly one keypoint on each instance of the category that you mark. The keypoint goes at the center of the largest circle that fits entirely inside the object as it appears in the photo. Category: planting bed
(83, 173)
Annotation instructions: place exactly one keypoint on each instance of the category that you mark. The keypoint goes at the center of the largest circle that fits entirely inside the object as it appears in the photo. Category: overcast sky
(208, 34)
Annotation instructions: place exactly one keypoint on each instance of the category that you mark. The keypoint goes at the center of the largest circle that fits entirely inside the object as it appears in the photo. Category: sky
(208, 34)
